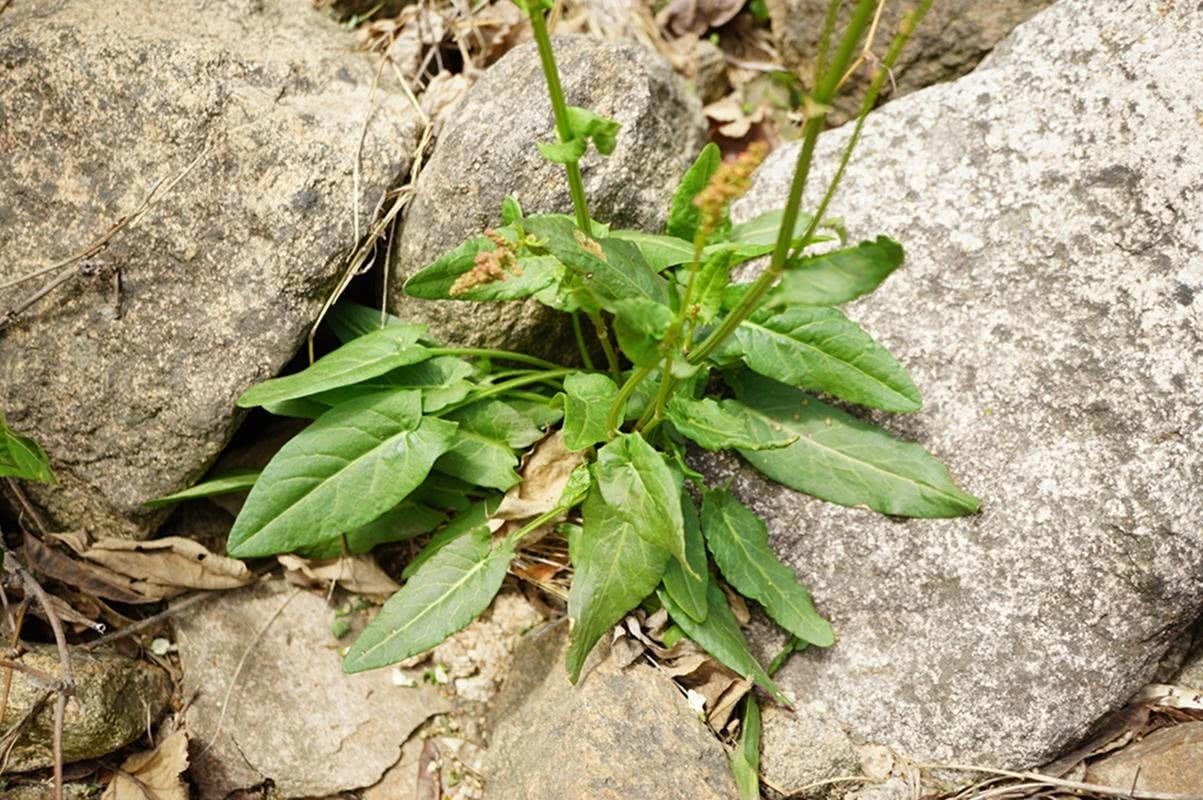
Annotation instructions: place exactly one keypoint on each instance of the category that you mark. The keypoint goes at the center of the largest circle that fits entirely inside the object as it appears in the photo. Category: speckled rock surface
(619, 733)
(1167, 760)
(132, 394)
(1051, 311)
(953, 38)
(293, 718)
(487, 150)
(114, 700)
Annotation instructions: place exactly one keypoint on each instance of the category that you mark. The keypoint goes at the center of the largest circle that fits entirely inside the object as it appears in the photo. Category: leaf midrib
(778, 335)
(293, 505)
(451, 588)
(806, 437)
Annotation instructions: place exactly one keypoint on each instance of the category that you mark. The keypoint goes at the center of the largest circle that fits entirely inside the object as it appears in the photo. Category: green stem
(586, 359)
(816, 120)
(652, 414)
(535, 524)
(576, 185)
(501, 355)
(603, 336)
(534, 397)
(624, 394)
(505, 386)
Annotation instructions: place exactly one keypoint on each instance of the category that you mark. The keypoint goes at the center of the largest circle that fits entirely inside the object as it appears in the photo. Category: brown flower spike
(729, 182)
(490, 266)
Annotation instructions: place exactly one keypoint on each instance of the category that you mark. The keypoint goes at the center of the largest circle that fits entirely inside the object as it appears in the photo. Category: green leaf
(345, 470)
(845, 460)
(724, 425)
(300, 408)
(511, 210)
(541, 415)
(763, 228)
(407, 521)
(532, 274)
(445, 492)
(713, 277)
(22, 457)
(721, 637)
(361, 358)
(442, 381)
(351, 320)
(835, 278)
(640, 325)
(482, 452)
(236, 480)
(588, 125)
(739, 542)
(822, 350)
(568, 152)
(660, 251)
(682, 213)
(608, 269)
(614, 569)
(587, 400)
(689, 591)
(745, 758)
(473, 519)
(636, 481)
(443, 596)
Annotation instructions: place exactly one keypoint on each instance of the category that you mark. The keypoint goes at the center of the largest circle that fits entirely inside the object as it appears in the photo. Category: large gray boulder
(624, 731)
(954, 36)
(486, 150)
(132, 391)
(1051, 311)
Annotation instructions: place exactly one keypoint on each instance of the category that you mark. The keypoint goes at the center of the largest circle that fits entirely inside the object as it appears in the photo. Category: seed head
(730, 181)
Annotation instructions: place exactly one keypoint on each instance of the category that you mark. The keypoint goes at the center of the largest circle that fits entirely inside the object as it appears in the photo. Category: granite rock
(113, 701)
(621, 732)
(287, 714)
(486, 150)
(1051, 311)
(130, 383)
(953, 38)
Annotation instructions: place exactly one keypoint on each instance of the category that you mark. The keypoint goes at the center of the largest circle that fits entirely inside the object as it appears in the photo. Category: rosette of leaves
(410, 438)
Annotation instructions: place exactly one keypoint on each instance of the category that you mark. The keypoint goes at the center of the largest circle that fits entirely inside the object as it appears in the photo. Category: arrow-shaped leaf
(822, 350)
(837, 277)
(345, 470)
(845, 460)
(587, 401)
(615, 568)
(726, 424)
(637, 483)
(442, 597)
(361, 358)
(739, 541)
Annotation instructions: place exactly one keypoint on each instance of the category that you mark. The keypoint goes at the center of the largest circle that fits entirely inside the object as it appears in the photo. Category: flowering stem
(576, 185)
(818, 107)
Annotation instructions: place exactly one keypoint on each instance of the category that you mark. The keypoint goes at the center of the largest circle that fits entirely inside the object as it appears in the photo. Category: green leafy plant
(22, 457)
(412, 438)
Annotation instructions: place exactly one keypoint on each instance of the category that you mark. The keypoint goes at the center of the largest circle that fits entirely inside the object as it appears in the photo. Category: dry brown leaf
(442, 93)
(164, 567)
(735, 122)
(357, 574)
(88, 578)
(153, 775)
(681, 17)
(545, 472)
(493, 31)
